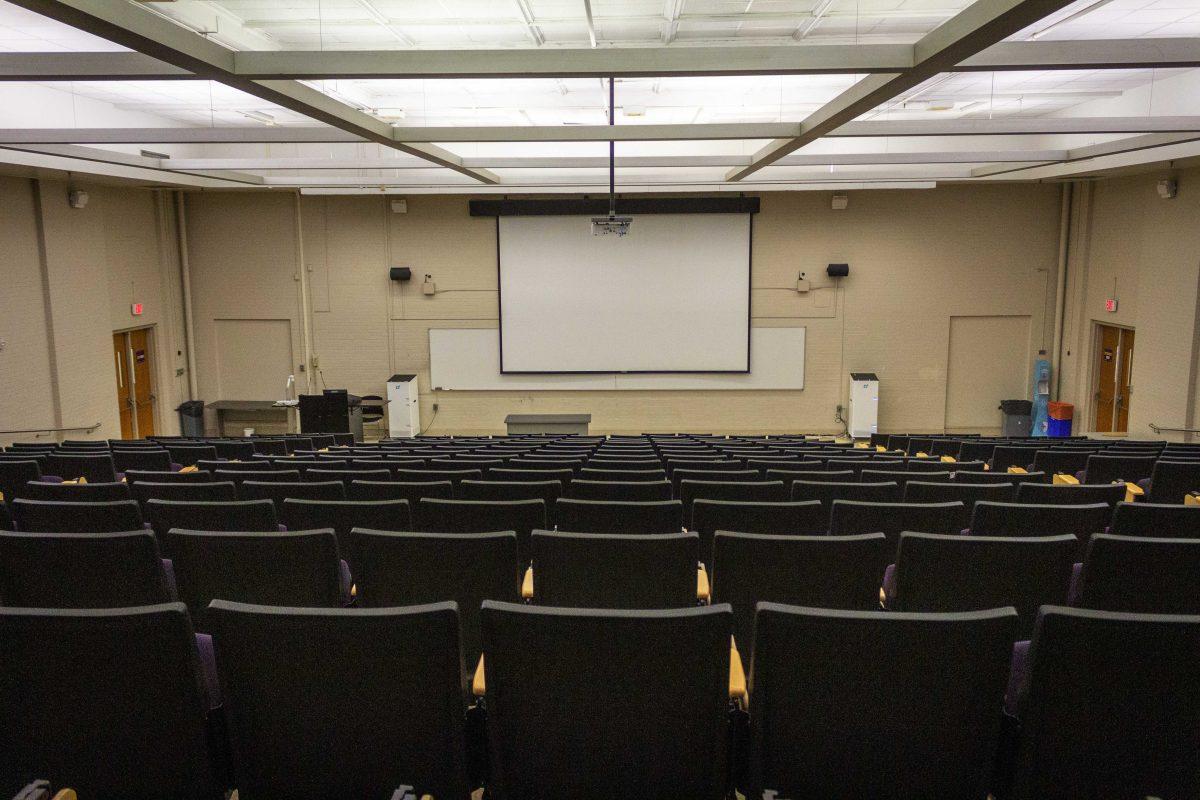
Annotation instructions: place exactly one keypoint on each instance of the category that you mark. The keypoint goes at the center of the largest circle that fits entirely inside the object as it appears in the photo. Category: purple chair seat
(1018, 674)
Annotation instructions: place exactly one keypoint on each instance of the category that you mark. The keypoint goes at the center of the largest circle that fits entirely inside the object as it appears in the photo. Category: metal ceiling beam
(138, 29)
(1041, 54)
(91, 66)
(248, 135)
(978, 26)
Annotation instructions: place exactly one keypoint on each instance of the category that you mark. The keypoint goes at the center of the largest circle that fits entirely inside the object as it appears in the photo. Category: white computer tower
(863, 417)
(404, 407)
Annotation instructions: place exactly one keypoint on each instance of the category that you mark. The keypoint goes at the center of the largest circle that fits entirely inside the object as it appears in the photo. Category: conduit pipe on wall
(185, 277)
(1060, 297)
(306, 327)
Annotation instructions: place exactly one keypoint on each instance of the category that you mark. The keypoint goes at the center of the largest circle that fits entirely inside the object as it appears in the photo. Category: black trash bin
(191, 418)
(1016, 417)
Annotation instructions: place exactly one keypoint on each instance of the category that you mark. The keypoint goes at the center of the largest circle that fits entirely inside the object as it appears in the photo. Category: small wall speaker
(837, 270)
(400, 273)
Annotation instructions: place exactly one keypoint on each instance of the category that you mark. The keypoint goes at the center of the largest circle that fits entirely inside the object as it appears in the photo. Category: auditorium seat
(1025, 519)
(77, 492)
(144, 459)
(186, 455)
(506, 474)
(238, 477)
(344, 515)
(1008, 455)
(625, 474)
(455, 476)
(852, 517)
(805, 518)
(234, 450)
(522, 517)
(346, 475)
(817, 571)
(199, 515)
(52, 516)
(935, 572)
(626, 491)
(743, 491)
(71, 466)
(82, 570)
(159, 476)
(824, 476)
(605, 570)
(1171, 481)
(110, 702)
(277, 491)
(14, 475)
(1071, 494)
(281, 569)
(1109, 707)
(1140, 574)
(586, 703)
(966, 493)
(546, 491)
(1156, 520)
(731, 475)
(606, 516)
(901, 477)
(253, 465)
(1060, 461)
(399, 490)
(862, 704)
(1104, 468)
(1015, 478)
(270, 447)
(407, 569)
(145, 491)
(827, 493)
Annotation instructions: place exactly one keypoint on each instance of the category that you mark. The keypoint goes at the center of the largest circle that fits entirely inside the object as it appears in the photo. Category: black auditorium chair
(277, 492)
(606, 570)
(816, 571)
(902, 477)
(522, 517)
(1156, 520)
(603, 516)
(1172, 481)
(1026, 519)
(72, 466)
(282, 569)
(623, 475)
(1109, 707)
(163, 476)
(238, 477)
(1140, 575)
(254, 465)
(1104, 468)
(455, 476)
(186, 455)
(302, 690)
(561, 475)
(1071, 494)
(853, 517)
(627, 491)
(858, 704)
(935, 572)
(966, 493)
(1015, 478)
(744, 491)
(399, 490)
(77, 492)
(1060, 461)
(270, 447)
(346, 476)
(199, 515)
(145, 491)
(125, 460)
(54, 516)
(234, 450)
(655, 684)
(110, 702)
(345, 515)
(14, 475)
(407, 569)
(546, 491)
(827, 493)
(802, 518)
(82, 570)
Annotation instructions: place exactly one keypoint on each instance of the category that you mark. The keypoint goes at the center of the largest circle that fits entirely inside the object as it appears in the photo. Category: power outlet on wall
(435, 406)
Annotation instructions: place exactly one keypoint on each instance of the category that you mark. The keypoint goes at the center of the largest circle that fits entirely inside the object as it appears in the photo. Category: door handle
(120, 370)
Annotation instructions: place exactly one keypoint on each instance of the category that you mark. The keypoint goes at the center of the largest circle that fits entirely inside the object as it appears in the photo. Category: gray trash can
(191, 418)
(1016, 417)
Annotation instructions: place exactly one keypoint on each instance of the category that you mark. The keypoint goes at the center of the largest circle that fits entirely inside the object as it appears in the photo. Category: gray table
(265, 416)
(547, 423)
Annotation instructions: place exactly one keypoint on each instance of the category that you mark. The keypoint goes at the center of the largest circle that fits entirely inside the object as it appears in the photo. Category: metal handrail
(41, 431)
(1158, 429)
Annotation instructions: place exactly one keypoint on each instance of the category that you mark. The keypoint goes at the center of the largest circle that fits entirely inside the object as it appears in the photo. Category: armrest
(861, 445)
(737, 676)
(949, 460)
(922, 454)
(527, 584)
(1191, 499)
(702, 588)
(65, 794)
(1063, 479)
(192, 468)
(880, 448)
(1133, 492)
(1017, 471)
(479, 683)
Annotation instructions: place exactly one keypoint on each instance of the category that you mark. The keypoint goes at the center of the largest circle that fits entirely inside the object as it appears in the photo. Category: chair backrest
(628, 491)
(238, 450)
(1061, 461)
(801, 518)
(69, 466)
(966, 493)
(188, 454)
(610, 516)
(405, 569)
(201, 515)
(141, 459)
(817, 571)
(902, 477)
(165, 476)
(1005, 456)
(521, 474)
(827, 493)
(1026, 519)
(654, 685)
(399, 490)
(935, 572)
(144, 491)
(1110, 708)
(346, 476)
(1109, 468)
(81, 570)
(53, 516)
(109, 702)
(344, 515)
(455, 476)
(1015, 478)
(239, 477)
(522, 517)
(976, 451)
(874, 704)
(607, 570)
(745, 491)
(1171, 481)
(1071, 494)
(14, 475)
(1156, 519)
(298, 721)
(1140, 574)
(853, 517)
(625, 474)
(277, 491)
(252, 465)
(77, 492)
(277, 569)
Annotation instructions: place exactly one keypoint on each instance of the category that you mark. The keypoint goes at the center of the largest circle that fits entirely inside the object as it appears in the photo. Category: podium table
(548, 423)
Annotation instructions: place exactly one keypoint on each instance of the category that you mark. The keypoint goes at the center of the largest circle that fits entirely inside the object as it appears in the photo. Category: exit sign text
(1110, 305)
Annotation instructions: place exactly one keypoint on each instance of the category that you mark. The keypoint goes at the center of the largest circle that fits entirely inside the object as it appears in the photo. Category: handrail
(40, 431)
(1158, 429)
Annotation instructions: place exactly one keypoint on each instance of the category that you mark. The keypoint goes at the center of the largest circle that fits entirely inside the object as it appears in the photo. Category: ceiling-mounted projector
(604, 226)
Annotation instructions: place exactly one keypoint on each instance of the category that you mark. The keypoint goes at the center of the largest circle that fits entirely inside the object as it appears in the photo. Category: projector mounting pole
(612, 151)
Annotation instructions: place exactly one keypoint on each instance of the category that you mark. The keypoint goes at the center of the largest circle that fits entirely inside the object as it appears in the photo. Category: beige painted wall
(917, 259)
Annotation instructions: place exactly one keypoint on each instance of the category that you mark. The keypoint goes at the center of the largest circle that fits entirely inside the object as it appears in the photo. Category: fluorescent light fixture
(258, 116)
(1076, 15)
(354, 190)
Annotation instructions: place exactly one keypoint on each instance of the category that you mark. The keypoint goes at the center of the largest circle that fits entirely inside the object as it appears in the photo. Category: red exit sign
(1110, 305)
(136, 309)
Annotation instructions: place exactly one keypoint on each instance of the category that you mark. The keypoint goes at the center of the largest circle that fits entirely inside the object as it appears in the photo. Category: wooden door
(1114, 364)
(124, 388)
(143, 382)
(1125, 369)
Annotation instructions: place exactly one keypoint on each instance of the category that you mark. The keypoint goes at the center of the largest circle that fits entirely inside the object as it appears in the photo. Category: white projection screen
(672, 296)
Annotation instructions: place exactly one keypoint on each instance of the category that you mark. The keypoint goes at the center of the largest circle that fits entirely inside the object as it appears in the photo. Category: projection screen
(672, 296)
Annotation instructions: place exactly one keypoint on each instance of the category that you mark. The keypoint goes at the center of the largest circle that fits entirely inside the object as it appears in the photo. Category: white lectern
(863, 419)
(404, 406)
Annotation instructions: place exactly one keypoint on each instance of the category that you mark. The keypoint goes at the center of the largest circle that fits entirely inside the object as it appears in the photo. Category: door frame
(129, 373)
(1094, 374)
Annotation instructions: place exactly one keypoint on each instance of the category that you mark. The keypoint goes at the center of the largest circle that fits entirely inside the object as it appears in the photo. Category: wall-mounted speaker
(400, 273)
(837, 270)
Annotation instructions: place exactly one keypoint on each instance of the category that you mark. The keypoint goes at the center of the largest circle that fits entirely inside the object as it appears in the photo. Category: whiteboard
(672, 296)
(469, 359)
